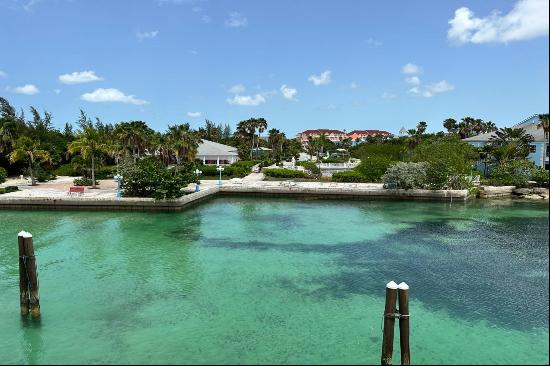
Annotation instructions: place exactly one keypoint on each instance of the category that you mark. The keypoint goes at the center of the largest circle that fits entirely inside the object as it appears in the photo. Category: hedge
(350, 176)
(284, 173)
(3, 175)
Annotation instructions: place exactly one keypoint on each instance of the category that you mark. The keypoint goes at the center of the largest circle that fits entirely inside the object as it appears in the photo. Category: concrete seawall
(149, 204)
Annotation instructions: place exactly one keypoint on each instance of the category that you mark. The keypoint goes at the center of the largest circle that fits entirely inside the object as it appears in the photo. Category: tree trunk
(93, 171)
(31, 173)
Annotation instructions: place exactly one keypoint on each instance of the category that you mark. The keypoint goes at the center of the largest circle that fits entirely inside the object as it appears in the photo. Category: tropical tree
(510, 144)
(27, 150)
(89, 143)
(134, 136)
(451, 125)
(183, 142)
(543, 123)
(421, 127)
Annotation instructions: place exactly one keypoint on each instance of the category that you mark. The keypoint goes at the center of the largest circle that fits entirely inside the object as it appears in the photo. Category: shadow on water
(494, 271)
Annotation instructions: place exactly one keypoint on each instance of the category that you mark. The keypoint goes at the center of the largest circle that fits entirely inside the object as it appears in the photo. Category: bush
(334, 160)
(373, 168)
(350, 176)
(66, 170)
(516, 173)
(311, 167)
(3, 175)
(105, 172)
(9, 189)
(284, 173)
(148, 177)
(83, 182)
(406, 175)
(540, 176)
(42, 175)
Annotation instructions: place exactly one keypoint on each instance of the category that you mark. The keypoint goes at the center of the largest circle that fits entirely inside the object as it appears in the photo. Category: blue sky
(299, 64)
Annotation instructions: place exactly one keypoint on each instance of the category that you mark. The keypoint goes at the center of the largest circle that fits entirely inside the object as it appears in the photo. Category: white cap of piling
(392, 285)
(24, 234)
(403, 286)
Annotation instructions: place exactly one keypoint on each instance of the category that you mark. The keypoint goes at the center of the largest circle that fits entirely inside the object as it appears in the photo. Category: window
(532, 148)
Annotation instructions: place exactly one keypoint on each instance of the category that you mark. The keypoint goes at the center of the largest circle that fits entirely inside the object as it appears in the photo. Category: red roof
(369, 132)
(320, 131)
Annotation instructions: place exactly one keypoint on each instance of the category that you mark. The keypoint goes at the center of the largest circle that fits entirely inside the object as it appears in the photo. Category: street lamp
(197, 185)
(118, 179)
(220, 169)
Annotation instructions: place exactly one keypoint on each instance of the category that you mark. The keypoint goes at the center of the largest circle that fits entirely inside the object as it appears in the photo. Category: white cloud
(322, 79)
(193, 52)
(387, 95)
(411, 69)
(28, 89)
(147, 35)
(196, 9)
(353, 85)
(236, 20)
(29, 5)
(206, 19)
(236, 89)
(288, 92)
(111, 95)
(79, 77)
(373, 42)
(57, 91)
(528, 19)
(432, 89)
(3, 74)
(246, 100)
(194, 114)
(414, 80)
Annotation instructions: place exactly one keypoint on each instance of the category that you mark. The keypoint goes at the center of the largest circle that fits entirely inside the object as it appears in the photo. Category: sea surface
(256, 280)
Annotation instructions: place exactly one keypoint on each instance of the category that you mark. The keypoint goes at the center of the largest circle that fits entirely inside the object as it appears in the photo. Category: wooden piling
(28, 277)
(403, 294)
(23, 281)
(389, 323)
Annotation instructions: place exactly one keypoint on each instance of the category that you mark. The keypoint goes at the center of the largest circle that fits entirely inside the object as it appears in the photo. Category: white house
(214, 153)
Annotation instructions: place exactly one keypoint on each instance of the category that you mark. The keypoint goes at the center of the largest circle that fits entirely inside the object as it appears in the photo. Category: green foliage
(66, 170)
(105, 172)
(350, 176)
(373, 168)
(392, 149)
(311, 167)
(43, 175)
(449, 161)
(335, 160)
(540, 176)
(284, 173)
(406, 176)
(83, 182)
(148, 177)
(517, 173)
(3, 175)
(9, 189)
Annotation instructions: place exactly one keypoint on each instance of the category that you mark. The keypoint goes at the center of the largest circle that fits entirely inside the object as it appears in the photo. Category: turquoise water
(246, 280)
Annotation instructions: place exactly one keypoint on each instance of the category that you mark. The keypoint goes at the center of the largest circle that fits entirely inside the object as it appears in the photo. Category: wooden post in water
(23, 282)
(403, 294)
(28, 277)
(389, 322)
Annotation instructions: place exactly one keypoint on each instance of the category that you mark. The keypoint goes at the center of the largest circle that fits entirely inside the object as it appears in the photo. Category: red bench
(76, 190)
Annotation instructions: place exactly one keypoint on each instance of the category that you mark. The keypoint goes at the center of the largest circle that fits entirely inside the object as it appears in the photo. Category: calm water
(242, 280)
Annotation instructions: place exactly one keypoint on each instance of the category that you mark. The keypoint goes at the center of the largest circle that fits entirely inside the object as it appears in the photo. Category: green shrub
(374, 167)
(311, 167)
(148, 177)
(334, 160)
(350, 176)
(406, 176)
(516, 173)
(244, 163)
(105, 172)
(3, 175)
(9, 189)
(42, 175)
(83, 182)
(540, 176)
(66, 170)
(284, 173)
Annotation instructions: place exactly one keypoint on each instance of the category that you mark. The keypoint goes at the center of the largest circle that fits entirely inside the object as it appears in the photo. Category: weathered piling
(403, 295)
(389, 323)
(28, 276)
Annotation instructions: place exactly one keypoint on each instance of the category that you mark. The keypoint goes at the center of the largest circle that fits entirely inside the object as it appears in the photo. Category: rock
(533, 197)
(524, 191)
(541, 190)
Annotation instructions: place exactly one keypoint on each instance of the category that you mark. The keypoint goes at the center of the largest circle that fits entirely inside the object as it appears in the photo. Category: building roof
(369, 132)
(211, 148)
(321, 130)
(528, 124)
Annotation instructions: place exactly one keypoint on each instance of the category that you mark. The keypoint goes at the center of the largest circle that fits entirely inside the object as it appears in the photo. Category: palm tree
(451, 125)
(543, 123)
(89, 143)
(183, 142)
(421, 127)
(510, 144)
(261, 125)
(247, 130)
(25, 149)
(135, 136)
